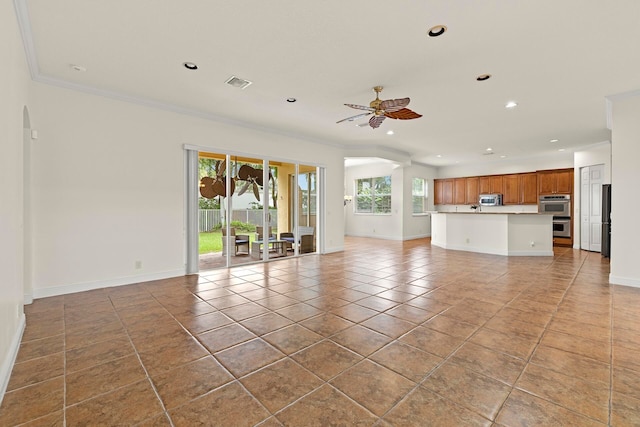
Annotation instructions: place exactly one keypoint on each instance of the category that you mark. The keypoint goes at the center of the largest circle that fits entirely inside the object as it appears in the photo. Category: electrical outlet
(138, 265)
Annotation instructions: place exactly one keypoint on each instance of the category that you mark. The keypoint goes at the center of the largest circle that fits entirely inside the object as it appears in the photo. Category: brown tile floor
(386, 334)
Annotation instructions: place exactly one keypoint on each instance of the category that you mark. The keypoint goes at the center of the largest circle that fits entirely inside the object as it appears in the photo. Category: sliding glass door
(253, 210)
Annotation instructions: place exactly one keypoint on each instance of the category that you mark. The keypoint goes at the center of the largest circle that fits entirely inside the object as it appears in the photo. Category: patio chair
(260, 232)
(306, 243)
(289, 238)
(238, 241)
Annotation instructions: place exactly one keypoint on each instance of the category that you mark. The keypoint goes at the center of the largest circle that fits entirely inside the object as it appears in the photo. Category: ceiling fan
(392, 108)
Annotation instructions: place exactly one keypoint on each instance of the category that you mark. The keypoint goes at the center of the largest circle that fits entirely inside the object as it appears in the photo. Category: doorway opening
(254, 210)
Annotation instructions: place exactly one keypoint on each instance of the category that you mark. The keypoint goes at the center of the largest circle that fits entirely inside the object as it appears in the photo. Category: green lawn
(212, 241)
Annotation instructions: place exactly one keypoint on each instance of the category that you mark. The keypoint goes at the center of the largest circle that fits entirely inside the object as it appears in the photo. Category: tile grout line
(144, 368)
(528, 360)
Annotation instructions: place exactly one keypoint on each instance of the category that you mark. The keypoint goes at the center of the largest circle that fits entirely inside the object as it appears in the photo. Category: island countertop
(499, 233)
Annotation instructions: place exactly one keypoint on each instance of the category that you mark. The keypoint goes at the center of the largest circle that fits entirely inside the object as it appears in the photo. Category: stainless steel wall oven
(557, 204)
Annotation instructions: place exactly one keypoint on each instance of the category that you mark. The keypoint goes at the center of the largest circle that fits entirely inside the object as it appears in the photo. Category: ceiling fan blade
(222, 168)
(376, 121)
(391, 105)
(360, 107)
(403, 114)
(352, 118)
(256, 191)
(206, 188)
(244, 188)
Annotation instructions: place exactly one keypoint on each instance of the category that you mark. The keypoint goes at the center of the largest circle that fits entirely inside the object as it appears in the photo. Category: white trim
(529, 253)
(24, 23)
(623, 95)
(333, 250)
(88, 286)
(28, 299)
(10, 357)
(232, 153)
(624, 281)
(491, 251)
(191, 212)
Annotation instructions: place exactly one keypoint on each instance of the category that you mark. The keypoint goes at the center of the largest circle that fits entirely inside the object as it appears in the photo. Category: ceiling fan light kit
(391, 108)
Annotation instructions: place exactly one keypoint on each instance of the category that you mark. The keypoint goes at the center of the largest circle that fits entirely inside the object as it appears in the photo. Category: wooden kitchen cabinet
(511, 189)
(491, 184)
(447, 191)
(437, 191)
(472, 189)
(520, 189)
(459, 191)
(529, 190)
(555, 181)
(443, 191)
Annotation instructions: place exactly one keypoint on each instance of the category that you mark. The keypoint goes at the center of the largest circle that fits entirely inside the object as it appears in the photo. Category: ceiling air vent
(238, 82)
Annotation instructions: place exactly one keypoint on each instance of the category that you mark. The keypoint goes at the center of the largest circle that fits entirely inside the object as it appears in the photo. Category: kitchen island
(509, 234)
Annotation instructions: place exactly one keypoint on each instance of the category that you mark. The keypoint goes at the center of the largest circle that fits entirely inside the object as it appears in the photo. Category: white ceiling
(558, 59)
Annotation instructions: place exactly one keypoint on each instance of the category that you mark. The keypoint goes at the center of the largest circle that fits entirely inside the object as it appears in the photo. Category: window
(373, 195)
(419, 195)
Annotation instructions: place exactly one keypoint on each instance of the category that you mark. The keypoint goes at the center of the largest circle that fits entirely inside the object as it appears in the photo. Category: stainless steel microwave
(490, 200)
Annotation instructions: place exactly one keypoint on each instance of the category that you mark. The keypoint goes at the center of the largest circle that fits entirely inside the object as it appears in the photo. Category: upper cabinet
(491, 184)
(529, 188)
(555, 181)
(443, 189)
(473, 191)
(459, 191)
(516, 188)
(520, 189)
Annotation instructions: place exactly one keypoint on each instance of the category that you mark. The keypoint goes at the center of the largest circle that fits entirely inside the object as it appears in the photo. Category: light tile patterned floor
(386, 334)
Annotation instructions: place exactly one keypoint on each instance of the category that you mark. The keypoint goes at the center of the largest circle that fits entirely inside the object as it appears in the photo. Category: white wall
(416, 226)
(401, 224)
(368, 225)
(559, 160)
(109, 187)
(625, 203)
(14, 81)
(599, 154)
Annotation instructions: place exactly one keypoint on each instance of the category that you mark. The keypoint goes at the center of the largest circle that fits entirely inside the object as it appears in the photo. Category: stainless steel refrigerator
(606, 220)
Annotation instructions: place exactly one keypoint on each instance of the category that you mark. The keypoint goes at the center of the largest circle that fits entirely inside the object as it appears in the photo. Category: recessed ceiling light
(437, 31)
(291, 100)
(389, 132)
(483, 77)
(560, 149)
(553, 140)
(503, 157)
(438, 155)
(511, 104)
(78, 68)
(489, 149)
(190, 66)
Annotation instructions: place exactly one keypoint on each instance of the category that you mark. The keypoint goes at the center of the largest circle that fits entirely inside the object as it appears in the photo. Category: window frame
(375, 209)
(424, 197)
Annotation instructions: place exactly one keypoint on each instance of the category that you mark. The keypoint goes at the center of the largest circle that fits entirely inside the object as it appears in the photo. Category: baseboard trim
(491, 251)
(396, 238)
(624, 281)
(88, 286)
(333, 250)
(10, 357)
